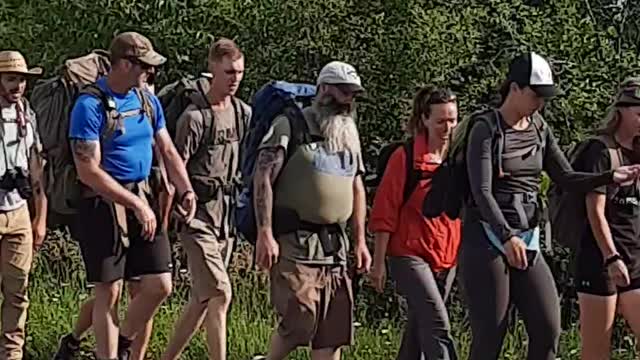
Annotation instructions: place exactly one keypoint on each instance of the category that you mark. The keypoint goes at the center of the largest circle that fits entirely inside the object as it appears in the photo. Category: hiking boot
(67, 349)
(124, 354)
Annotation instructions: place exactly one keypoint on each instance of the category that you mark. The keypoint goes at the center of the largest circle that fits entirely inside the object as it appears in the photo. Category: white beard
(338, 129)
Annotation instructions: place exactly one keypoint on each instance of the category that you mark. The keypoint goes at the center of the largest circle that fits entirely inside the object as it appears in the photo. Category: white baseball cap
(534, 71)
(338, 72)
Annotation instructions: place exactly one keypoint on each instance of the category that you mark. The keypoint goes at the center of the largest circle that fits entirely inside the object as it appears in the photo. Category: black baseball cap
(533, 70)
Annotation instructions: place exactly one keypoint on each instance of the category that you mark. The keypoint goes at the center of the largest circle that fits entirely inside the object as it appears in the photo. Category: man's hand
(187, 207)
(267, 249)
(147, 219)
(516, 252)
(363, 258)
(39, 228)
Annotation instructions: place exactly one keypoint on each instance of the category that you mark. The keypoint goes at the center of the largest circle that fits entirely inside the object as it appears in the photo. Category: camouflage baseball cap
(628, 93)
(137, 46)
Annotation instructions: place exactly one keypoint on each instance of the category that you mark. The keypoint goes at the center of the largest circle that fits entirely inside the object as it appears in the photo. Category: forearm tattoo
(268, 167)
(84, 150)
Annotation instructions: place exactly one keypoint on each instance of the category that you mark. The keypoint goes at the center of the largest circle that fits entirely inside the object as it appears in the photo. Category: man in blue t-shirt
(116, 224)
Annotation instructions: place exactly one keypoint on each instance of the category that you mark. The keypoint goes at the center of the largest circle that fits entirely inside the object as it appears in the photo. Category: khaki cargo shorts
(207, 258)
(314, 303)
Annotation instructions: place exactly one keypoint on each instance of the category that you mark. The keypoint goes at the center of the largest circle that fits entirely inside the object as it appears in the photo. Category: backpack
(176, 96)
(52, 100)
(412, 175)
(272, 100)
(567, 209)
(450, 189)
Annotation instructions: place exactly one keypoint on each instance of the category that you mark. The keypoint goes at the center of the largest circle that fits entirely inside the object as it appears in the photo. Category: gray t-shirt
(15, 150)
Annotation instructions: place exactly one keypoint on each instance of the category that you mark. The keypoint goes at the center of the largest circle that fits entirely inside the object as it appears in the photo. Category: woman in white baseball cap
(501, 263)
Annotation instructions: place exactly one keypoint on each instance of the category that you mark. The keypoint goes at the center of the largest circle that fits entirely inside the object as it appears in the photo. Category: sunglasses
(142, 65)
(347, 89)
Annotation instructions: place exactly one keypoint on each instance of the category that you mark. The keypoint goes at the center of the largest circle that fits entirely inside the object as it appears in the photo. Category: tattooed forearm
(84, 150)
(270, 162)
(263, 204)
(268, 167)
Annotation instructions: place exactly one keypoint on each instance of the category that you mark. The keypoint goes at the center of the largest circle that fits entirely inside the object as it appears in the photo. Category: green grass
(57, 290)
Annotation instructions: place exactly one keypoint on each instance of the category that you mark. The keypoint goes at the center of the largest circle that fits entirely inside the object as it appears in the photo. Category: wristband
(611, 259)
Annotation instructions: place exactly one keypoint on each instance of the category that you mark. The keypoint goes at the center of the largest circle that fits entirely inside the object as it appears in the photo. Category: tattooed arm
(86, 154)
(268, 167)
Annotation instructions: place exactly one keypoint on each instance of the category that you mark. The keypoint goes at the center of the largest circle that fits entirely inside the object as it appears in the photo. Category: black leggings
(491, 287)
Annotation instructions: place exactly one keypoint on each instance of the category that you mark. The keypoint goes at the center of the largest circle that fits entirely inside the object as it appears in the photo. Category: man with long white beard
(301, 220)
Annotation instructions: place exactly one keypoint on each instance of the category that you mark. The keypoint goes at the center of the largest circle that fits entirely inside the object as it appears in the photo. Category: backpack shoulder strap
(615, 153)
(240, 114)
(492, 119)
(300, 133)
(241, 127)
(412, 175)
(147, 106)
(109, 106)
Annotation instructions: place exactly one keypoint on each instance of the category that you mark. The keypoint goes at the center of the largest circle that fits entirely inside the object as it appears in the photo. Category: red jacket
(411, 234)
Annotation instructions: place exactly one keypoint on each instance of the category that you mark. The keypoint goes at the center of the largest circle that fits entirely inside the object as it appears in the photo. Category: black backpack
(412, 175)
(450, 189)
(567, 209)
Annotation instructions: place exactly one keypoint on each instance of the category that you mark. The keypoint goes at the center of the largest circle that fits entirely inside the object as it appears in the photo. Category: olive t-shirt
(318, 186)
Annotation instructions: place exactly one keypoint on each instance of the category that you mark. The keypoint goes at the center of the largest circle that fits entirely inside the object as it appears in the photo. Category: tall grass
(58, 289)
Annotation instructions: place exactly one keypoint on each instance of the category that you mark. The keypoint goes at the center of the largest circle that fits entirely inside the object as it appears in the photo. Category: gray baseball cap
(337, 73)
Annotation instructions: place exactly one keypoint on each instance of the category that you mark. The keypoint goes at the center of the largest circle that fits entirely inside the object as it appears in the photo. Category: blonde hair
(627, 95)
(224, 47)
(610, 122)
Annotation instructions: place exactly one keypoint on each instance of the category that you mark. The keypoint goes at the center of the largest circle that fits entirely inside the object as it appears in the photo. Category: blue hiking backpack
(272, 100)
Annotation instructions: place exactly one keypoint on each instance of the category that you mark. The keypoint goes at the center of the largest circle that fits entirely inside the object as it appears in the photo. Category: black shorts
(602, 285)
(105, 257)
(593, 278)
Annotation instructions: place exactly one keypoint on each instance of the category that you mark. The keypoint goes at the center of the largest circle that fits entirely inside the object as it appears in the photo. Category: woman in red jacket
(421, 252)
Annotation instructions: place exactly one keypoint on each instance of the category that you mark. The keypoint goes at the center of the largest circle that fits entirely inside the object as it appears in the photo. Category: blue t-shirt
(126, 157)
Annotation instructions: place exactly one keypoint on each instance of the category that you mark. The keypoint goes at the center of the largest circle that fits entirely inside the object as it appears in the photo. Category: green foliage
(397, 45)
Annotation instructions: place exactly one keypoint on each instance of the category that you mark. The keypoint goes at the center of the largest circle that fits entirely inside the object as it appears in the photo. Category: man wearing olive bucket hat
(20, 180)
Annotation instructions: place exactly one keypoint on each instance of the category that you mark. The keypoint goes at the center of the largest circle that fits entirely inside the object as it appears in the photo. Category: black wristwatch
(611, 259)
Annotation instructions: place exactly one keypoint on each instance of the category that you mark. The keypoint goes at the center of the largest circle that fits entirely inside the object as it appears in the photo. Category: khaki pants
(208, 259)
(16, 255)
